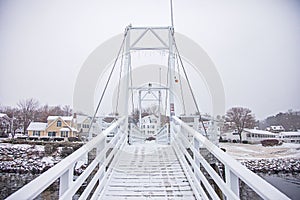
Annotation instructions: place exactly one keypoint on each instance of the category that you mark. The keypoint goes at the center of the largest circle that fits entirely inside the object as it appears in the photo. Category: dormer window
(58, 123)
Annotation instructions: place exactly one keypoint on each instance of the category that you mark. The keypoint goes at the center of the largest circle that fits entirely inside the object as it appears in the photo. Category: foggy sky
(255, 45)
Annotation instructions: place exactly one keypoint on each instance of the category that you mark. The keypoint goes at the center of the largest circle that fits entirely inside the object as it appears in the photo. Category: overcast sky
(255, 45)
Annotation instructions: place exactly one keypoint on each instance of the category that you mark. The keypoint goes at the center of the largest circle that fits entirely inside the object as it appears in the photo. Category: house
(275, 129)
(37, 129)
(211, 126)
(5, 123)
(290, 137)
(57, 127)
(83, 124)
(150, 125)
(252, 136)
(192, 121)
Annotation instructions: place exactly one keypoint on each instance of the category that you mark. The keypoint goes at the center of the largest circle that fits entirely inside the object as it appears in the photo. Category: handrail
(234, 171)
(64, 169)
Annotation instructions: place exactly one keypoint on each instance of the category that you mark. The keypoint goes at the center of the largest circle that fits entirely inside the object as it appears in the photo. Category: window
(85, 125)
(64, 133)
(58, 123)
(52, 134)
(36, 133)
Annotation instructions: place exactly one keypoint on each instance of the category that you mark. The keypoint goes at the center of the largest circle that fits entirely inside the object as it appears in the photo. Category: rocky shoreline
(32, 159)
(26, 159)
(272, 166)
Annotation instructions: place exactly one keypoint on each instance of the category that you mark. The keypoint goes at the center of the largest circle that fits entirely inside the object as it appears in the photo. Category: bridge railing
(162, 135)
(93, 178)
(197, 156)
(135, 135)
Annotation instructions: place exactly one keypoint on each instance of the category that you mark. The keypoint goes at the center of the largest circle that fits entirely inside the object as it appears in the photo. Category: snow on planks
(148, 171)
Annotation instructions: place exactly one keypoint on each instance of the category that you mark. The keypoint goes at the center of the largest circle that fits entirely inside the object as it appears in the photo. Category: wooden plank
(148, 171)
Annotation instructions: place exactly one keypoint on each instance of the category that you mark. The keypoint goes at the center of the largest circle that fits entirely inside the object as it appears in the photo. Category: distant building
(57, 127)
(275, 129)
(83, 123)
(212, 127)
(290, 137)
(5, 123)
(252, 136)
(149, 125)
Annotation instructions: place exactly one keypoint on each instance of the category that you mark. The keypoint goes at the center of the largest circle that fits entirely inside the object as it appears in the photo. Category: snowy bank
(257, 151)
(284, 158)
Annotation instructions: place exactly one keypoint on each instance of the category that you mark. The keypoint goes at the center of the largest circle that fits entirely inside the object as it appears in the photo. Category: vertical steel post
(171, 66)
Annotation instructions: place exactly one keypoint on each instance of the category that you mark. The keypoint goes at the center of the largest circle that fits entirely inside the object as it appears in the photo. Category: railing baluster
(196, 159)
(65, 181)
(232, 181)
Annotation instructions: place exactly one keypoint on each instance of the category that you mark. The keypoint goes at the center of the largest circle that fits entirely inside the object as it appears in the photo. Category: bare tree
(67, 110)
(27, 109)
(42, 113)
(135, 114)
(242, 118)
(153, 109)
(56, 111)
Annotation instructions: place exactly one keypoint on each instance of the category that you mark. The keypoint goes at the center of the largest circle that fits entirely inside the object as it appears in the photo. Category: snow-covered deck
(148, 171)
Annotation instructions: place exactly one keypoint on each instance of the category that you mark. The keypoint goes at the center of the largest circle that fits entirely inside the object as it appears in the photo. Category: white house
(212, 127)
(275, 129)
(252, 136)
(83, 123)
(149, 125)
(290, 137)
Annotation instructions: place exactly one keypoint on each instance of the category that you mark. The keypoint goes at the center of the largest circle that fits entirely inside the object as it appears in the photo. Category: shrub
(270, 142)
(73, 139)
(50, 149)
(66, 151)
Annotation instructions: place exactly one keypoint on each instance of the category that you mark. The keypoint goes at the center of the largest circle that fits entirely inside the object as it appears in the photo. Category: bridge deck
(148, 171)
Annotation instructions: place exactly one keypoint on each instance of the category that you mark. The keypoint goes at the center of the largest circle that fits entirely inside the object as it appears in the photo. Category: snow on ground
(257, 151)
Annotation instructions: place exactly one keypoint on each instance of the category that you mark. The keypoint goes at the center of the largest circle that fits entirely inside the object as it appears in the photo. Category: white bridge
(180, 163)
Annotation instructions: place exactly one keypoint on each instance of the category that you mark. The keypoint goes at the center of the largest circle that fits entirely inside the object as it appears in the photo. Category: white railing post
(196, 159)
(65, 181)
(232, 181)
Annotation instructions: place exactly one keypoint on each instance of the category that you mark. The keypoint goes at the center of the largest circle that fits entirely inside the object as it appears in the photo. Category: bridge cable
(181, 90)
(108, 80)
(189, 84)
(119, 85)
